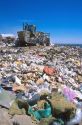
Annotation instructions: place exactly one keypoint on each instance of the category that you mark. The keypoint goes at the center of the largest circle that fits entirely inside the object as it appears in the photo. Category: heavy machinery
(29, 36)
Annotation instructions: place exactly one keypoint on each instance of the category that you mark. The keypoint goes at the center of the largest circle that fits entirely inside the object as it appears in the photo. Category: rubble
(43, 82)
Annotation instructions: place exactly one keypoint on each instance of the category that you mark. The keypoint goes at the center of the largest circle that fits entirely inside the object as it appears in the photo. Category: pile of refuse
(41, 85)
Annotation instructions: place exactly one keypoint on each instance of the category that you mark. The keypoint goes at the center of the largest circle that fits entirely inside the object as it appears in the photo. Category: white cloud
(8, 35)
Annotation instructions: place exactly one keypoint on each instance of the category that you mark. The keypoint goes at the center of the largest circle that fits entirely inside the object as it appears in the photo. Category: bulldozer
(29, 36)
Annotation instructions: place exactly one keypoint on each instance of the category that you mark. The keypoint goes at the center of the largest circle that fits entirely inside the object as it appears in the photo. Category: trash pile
(44, 84)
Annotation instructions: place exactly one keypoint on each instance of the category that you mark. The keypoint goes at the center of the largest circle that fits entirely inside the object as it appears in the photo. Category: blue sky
(62, 18)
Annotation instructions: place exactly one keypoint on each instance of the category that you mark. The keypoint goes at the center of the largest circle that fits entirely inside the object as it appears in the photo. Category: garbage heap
(41, 85)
